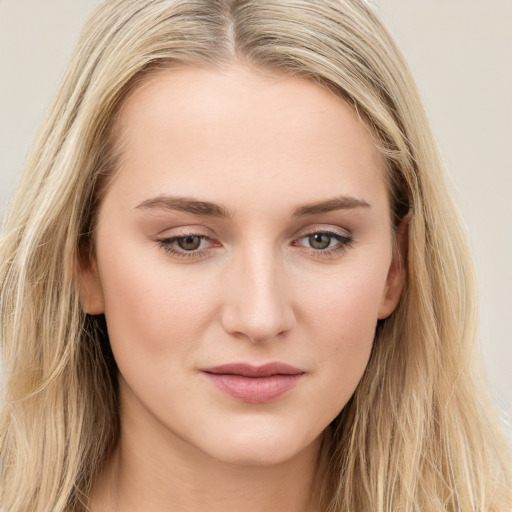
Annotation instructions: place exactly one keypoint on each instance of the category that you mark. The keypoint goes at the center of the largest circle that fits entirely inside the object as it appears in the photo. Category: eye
(187, 246)
(325, 243)
(189, 243)
(319, 241)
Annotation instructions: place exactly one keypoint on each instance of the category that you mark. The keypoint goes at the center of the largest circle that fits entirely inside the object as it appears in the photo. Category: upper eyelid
(300, 234)
(344, 242)
(325, 230)
(178, 232)
(330, 231)
(172, 239)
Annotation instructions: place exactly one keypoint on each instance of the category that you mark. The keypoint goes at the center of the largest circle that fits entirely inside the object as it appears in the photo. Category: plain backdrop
(460, 52)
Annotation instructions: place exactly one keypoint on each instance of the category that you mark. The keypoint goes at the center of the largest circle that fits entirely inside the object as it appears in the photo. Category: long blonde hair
(417, 435)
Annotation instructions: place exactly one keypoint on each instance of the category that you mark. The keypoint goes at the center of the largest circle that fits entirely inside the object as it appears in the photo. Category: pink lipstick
(254, 384)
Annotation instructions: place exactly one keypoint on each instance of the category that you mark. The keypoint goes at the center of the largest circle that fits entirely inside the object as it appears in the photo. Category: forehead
(194, 126)
(200, 94)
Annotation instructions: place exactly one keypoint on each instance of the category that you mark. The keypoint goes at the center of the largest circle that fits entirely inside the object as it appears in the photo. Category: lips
(254, 384)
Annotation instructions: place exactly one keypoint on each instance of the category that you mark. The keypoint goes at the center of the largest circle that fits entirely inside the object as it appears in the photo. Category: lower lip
(254, 390)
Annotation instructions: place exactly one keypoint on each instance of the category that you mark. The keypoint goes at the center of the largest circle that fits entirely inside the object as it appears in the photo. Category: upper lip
(248, 370)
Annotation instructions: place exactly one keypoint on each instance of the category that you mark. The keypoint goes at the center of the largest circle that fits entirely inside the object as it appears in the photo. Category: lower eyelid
(344, 242)
(168, 244)
(174, 239)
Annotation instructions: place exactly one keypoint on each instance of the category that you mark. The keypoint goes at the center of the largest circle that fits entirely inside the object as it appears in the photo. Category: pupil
(189, 243)
(319, 240)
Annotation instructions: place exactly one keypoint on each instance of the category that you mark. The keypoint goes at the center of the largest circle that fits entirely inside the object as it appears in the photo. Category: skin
(255, 291)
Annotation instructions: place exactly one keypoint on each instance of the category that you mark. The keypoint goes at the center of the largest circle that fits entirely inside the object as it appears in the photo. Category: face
(244, 253)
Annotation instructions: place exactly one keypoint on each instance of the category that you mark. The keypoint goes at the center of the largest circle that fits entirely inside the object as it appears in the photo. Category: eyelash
(344, 241)
(167, 245)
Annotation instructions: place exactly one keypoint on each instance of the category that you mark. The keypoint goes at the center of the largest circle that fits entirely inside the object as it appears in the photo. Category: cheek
(346, 303)
(149, 303)
(343, 318)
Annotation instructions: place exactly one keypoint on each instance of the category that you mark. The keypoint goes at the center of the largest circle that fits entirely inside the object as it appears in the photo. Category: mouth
(254, 384)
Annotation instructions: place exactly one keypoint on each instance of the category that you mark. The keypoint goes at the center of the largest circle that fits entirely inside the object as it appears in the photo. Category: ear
(91, 292)
(396, 273)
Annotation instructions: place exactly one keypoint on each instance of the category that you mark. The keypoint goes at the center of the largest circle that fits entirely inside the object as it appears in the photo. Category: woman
(232, 277)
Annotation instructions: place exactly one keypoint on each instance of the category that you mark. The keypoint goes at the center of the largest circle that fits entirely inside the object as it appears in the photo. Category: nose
(257, 302)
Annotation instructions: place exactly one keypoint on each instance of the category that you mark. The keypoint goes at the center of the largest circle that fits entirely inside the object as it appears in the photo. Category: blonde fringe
(418, 435)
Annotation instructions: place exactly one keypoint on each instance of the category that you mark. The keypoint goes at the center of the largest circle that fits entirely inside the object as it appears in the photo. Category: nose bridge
(259, 305)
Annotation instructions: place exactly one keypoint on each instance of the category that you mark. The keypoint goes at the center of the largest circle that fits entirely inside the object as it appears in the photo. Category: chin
(265, 448)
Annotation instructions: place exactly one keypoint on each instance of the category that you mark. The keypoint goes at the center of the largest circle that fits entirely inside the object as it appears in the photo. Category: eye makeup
(326, 243)
(320, 243)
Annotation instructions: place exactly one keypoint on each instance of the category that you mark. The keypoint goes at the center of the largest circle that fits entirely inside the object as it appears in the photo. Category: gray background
(460, 52)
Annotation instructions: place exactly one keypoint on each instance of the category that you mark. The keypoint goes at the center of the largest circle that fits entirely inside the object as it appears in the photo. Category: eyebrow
(336, 203)
(186, 204)
(197, 207)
